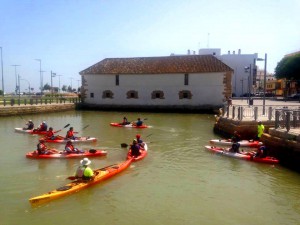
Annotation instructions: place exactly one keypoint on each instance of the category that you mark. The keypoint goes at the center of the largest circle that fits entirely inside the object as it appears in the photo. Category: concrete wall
(22, 110)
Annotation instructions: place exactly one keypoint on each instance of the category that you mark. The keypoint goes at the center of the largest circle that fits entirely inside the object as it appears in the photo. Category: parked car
(294, 96)
(247, 95)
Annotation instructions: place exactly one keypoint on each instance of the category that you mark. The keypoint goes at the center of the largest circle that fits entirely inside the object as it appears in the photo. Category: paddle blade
(145, 118)
(67, 125)
(72, 178)
(85, 127)
(124, 145)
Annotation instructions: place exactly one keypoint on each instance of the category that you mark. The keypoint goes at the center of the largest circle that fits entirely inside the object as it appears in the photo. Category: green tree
(64, 88)
(289, 68)
(47, 87)
(1, 92)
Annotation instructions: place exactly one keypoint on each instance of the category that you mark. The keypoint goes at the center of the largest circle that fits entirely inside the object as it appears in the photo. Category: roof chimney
(228, 52)
(239, 51)
(233, 52)
(189, 52)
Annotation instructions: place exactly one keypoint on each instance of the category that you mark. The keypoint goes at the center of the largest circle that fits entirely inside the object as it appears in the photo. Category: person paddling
(69, 148)
(43, 150)
(135, 149)
(50, 134)
(43, 126)
(30, 125)
(70, 134)
(84, 172)
(138, 123)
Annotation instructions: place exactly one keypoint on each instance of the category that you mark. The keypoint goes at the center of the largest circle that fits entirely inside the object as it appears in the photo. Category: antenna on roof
(207, 40)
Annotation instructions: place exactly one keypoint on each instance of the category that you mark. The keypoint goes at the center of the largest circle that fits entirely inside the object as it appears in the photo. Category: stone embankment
(282, 144)
(33, 109)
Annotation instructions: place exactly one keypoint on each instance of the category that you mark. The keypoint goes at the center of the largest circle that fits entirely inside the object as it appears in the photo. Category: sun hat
(138, 136)
(29, 120)
(134, 141)
(85, 162)
(44, 121)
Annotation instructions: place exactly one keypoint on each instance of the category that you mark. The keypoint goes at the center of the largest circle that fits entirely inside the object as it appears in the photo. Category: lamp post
(41, 75)
(59, 82)
(248, 69)
(2, 72)
(265, 82)
(242, 80)
(78, 85)
(16, 78)
(52, 75)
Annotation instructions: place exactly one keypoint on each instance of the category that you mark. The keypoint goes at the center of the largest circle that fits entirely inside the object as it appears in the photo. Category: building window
(117, 80)
(157, 95)
(186, 79)
(185, 94)
(132, 94)
(91, 95)
(107, 94)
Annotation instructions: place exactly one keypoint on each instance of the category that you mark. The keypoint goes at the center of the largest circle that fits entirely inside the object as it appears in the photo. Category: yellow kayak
(75, 186)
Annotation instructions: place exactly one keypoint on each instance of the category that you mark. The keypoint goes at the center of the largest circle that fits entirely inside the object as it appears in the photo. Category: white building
(190, 82)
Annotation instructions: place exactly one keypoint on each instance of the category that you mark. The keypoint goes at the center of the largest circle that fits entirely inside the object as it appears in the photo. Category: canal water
(179, 182)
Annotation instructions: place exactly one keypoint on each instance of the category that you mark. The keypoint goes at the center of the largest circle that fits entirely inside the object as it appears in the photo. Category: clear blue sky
(71, 35)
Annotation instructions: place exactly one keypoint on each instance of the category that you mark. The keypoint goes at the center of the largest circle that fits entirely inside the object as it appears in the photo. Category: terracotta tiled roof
(158, 65)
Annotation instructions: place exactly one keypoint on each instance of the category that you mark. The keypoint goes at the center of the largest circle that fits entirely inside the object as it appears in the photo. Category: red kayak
(128, 125)
(225, 152)
(65, 140)
(143, 154)
(64, 155)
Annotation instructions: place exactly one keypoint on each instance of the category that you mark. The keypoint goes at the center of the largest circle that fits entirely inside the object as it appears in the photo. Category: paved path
(259, 102)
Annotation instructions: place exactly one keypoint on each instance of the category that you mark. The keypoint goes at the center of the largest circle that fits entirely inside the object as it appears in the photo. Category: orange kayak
(75, 186)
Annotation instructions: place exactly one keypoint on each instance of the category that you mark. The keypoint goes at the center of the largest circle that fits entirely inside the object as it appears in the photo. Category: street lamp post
(265, 81)
(248, 69)
(265, 84)
(52, 75)
(16, 78)
(41, 75)
(2, 72)
(59, 82)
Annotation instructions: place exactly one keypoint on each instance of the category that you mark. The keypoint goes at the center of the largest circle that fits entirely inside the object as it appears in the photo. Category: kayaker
(84, 172)
(138, 123)
(135, 148)
(70, 134)
(69, 148)
(261, 152)
(43, 150)
(125, 121)
(235, 148)
(43, 126)
(260, 130)
(139, 140)
(236, 137)
(50, 134)
(30, 125)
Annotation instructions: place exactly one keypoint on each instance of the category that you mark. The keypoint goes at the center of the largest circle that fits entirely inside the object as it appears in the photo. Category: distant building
(189, 82)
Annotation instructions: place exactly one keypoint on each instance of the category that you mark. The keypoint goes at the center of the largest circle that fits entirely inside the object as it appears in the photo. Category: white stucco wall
(206, 89)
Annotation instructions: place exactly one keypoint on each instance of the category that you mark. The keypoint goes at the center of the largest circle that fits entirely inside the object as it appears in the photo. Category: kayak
(225, 152)
(21, 130)
(75, 186)
(128, 125)
(77, 140)
(243, 143)
(143, 154)
(64, 155)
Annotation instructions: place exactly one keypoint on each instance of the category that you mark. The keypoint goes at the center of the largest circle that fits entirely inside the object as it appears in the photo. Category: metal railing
(37, 101)
(255, 113)
(287, 119)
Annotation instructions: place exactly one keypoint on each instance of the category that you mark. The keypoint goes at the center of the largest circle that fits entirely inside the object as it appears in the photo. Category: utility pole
(2, 72)
(16, 78)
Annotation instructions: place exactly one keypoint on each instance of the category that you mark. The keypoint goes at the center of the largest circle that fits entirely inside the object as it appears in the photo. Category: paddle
(82, 128)
(22, 118)
(63, 128)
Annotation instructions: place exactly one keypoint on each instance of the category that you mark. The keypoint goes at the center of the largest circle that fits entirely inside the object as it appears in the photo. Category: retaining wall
(33, 109)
